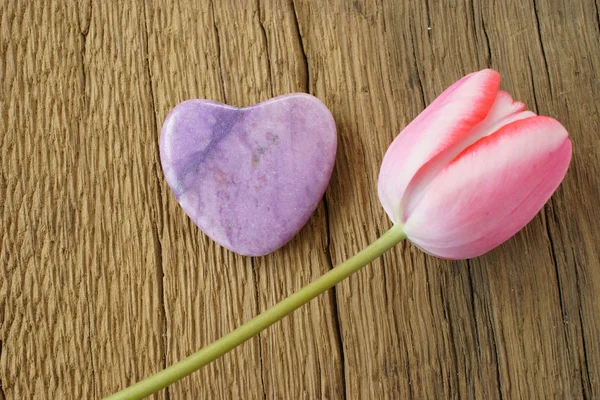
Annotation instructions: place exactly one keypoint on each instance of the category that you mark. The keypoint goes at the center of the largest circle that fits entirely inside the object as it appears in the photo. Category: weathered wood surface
(104, 280)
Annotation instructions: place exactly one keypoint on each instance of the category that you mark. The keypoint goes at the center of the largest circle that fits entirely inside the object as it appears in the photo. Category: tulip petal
(491, 190)
(504, 111)
(445, 123)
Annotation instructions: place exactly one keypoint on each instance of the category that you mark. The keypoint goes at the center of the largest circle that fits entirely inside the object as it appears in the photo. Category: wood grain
(104, 280)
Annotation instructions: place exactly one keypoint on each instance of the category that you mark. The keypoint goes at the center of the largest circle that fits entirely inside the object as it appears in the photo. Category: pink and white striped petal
(491, 190)
(446, 124)
(504, 111)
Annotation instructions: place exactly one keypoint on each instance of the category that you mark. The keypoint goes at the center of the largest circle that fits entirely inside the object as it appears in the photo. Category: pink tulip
(472, 169)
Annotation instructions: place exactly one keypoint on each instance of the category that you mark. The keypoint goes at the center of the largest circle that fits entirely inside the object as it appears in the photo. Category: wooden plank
(44, 305)
(208, 290)
(240, 54)
(82, 291)
(538, 339)
(118, 156)
(572, 65)
(396, 332)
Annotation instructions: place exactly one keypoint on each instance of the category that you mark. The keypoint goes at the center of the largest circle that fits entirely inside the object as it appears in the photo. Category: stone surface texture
(251, 177)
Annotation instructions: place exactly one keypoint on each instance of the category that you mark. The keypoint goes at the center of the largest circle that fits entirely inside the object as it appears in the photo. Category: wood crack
(92, 368)
(160, 276)
(304, 55)
(160, 273)
(487, 41)
(432, 311)
(428, 19)
(84, 32)
(543, 48)
(535, 100)
(258, 337)
(334, 301)
(563, 311)
(368, 178)
(219, 55)
(416, 66)
(2, 394)
(497, 359)
(454, 355)
(485, 33)
(266, 41)
(83, 74)
(319, 379)
(474, 309)
(411, 394)
(385, 284)
(587, 390)
(597, 14)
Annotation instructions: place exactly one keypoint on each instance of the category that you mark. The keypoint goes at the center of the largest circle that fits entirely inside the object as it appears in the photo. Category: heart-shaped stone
(251, 177)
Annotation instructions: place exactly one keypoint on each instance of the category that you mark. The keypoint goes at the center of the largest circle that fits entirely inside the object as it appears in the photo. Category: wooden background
(104, 280)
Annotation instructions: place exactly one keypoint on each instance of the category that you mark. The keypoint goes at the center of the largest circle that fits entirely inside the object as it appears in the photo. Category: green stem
(259, 323)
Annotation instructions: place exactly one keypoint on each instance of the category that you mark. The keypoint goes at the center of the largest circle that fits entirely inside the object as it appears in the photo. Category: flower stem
(259, 323)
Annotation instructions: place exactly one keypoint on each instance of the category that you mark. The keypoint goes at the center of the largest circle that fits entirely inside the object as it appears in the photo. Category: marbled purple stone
(251, 177)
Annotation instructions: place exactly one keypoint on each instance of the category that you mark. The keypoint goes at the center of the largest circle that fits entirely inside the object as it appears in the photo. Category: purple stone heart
(251, 177)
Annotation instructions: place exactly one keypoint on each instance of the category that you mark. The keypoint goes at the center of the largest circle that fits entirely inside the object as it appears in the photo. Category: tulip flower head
(472, 169)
